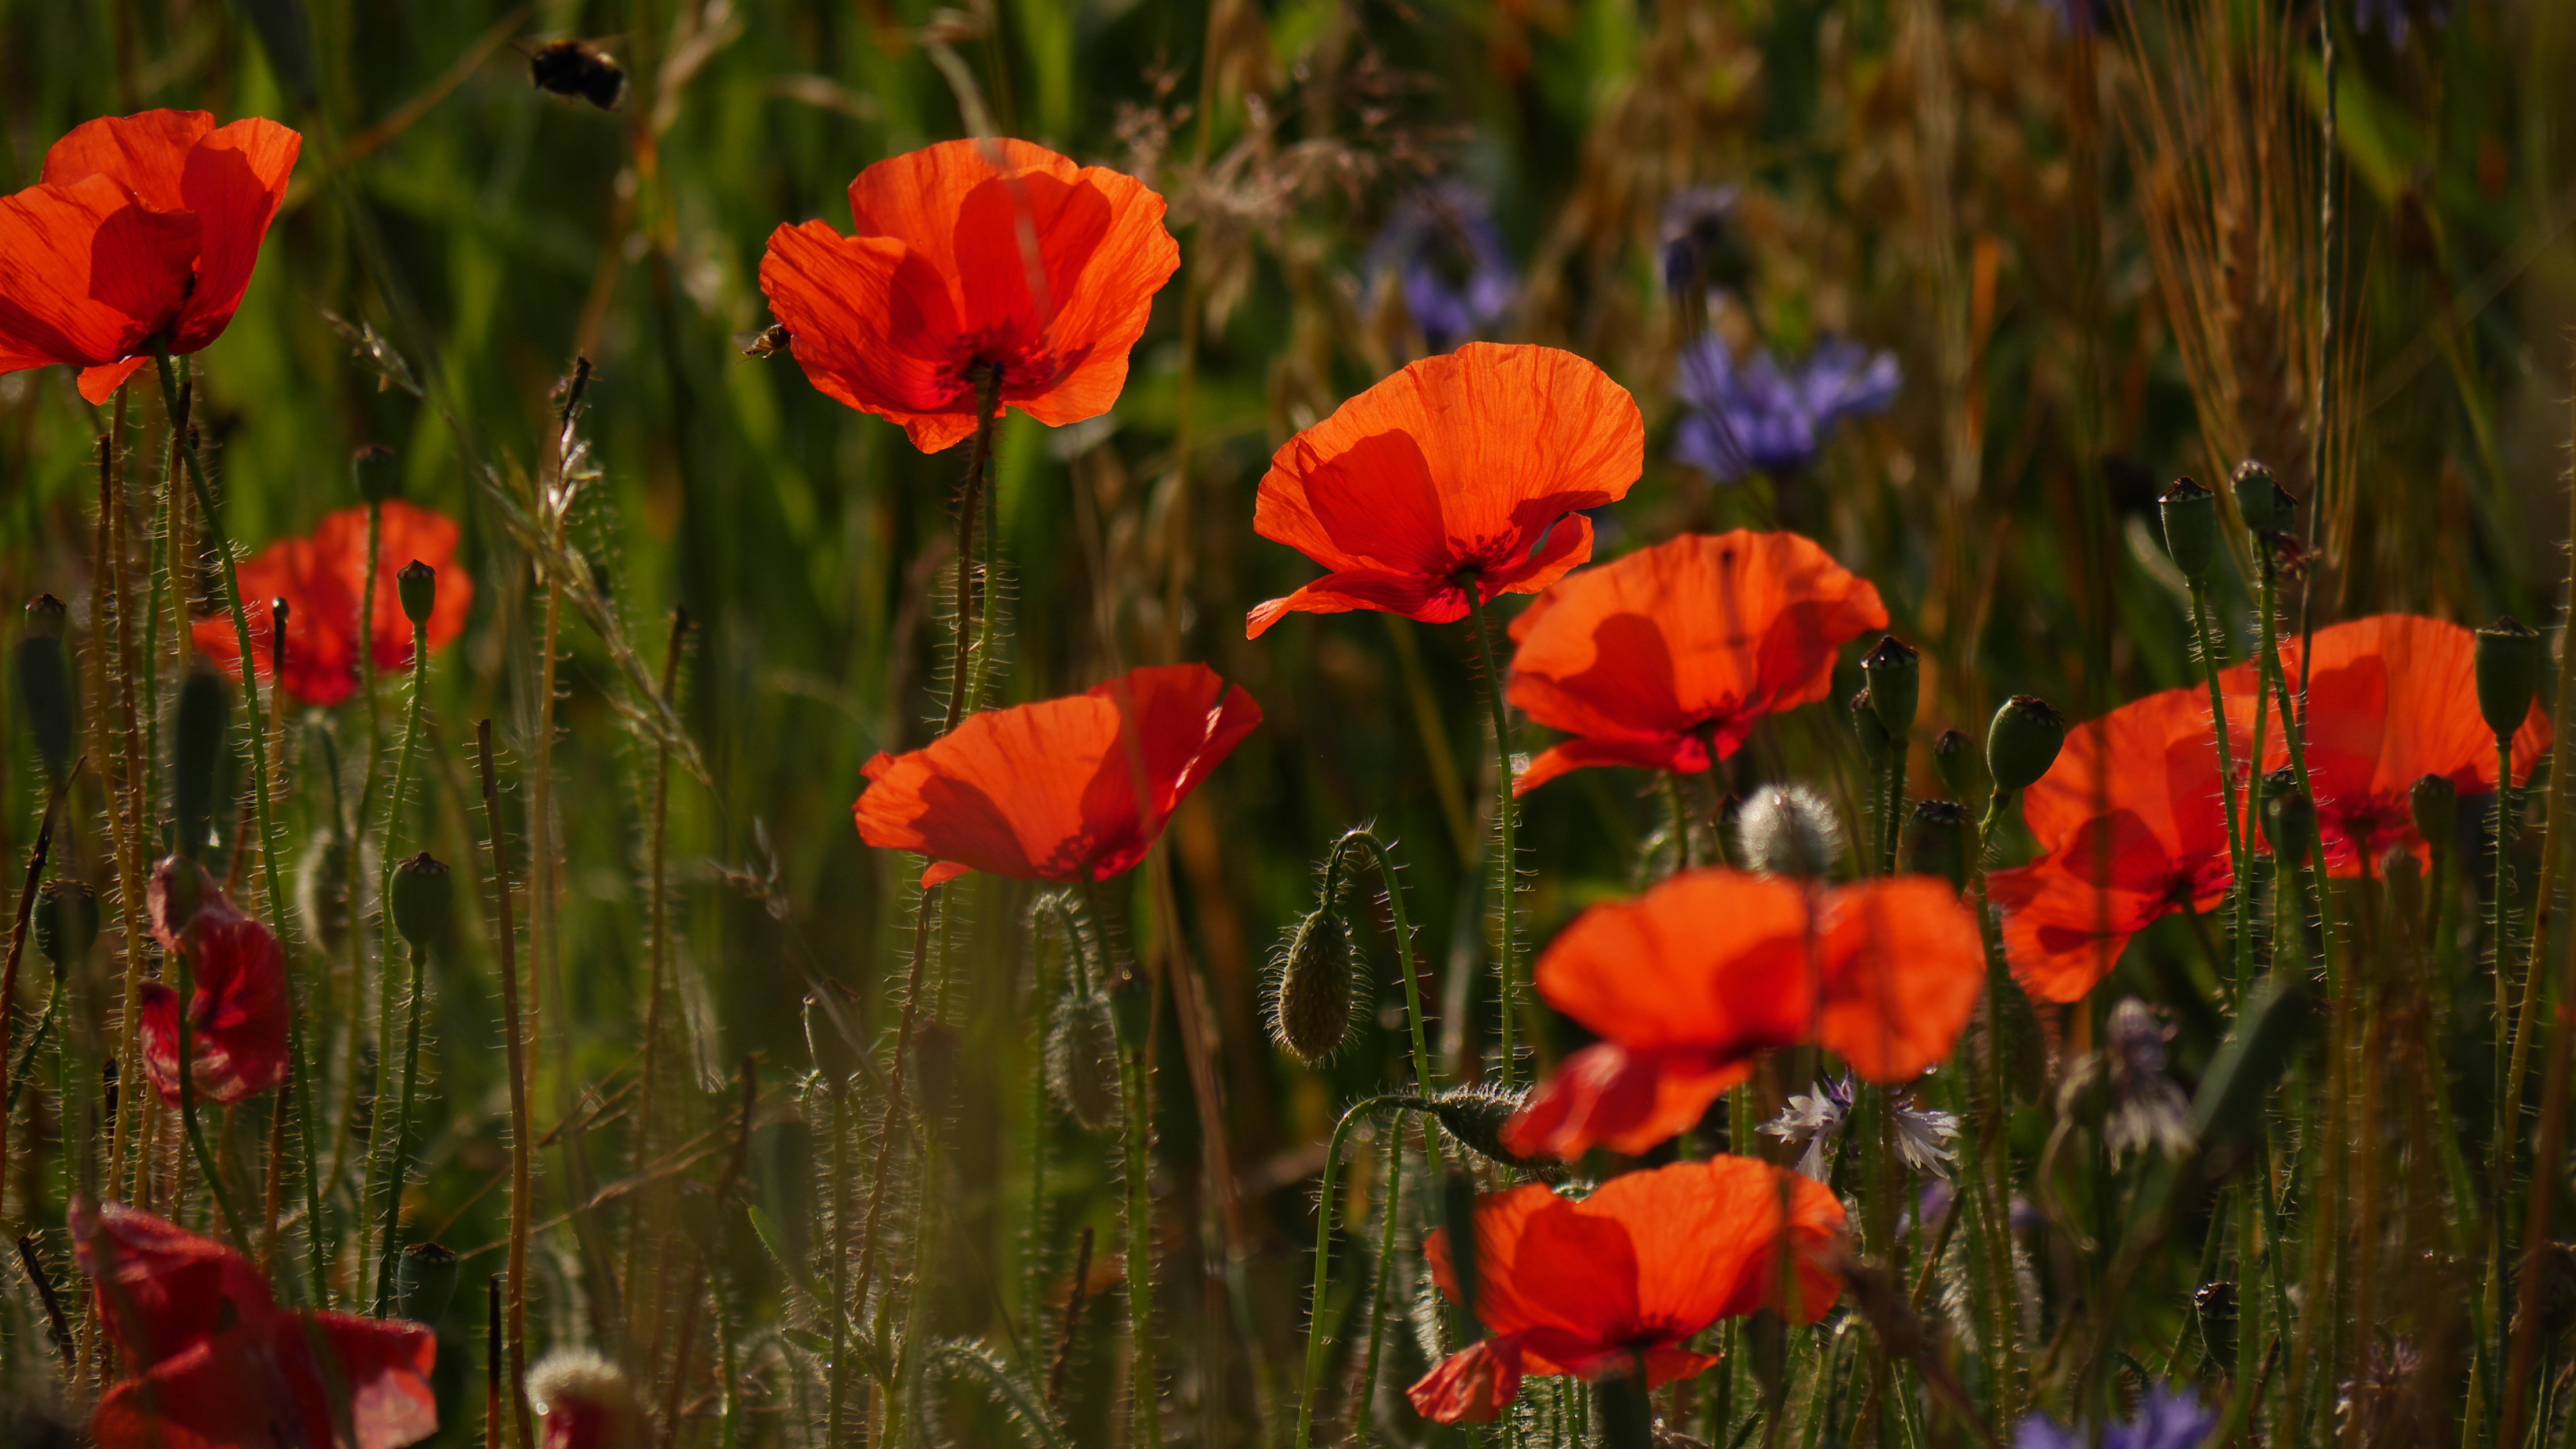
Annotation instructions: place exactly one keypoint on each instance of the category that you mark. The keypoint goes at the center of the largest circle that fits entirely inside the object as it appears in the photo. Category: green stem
(1506, 865)
(988, 395)
(384, 898)
(1142, 1390)
(2238, 871)
(400, 1145)
(2506, 1093)
(1324, 1258)
(1377, 1292)
(1384, 861)
(299, 1064)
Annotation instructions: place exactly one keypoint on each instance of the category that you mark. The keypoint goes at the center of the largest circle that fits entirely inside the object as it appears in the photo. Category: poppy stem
(9, 973)
(1627, 1412)
(1384, 861)
(1324, 1256)
(2206, 645)
(505, 946)
(384, 903)
(2507, 1094)
(273, 894)
(1506, 866)
(399, 1143)
(988, 394)
(1392, 1199)
(1144, 1394)
(188, 1104)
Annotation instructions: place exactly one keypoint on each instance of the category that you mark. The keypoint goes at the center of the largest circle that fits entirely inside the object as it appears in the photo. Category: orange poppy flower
(142, 231)
(1473, 463)
(219, 1364)
(974, 254)
(237, 1010)
(320, 579)
(1677, 651)
(2391, 699)
(1691, 981)
(2132, 827)
(1071, 789)
(1582, 1287)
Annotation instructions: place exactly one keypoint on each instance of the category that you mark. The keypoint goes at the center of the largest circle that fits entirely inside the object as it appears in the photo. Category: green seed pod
(66, 923)
(423, 893)
(1473, 1116)
(1082, 1060)
(2511, 658)
(416, 584)
(2435, 802)
(2190, 516)
(1936, 841)
(1458, 1219)
(1961, 768)
(428, 1280)
(45, 686)
(2260, 500)
(205, 706)
(1312, 999)
(1895, 673)
(1876, 745)
(371, 467)
(2289, 817)
(1131, 1009)
(2023, 742)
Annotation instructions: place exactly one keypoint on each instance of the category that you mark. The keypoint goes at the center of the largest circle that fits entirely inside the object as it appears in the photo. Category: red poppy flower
(1691, 981)
(2391, 699)
(222, 1367)
(1680, 649)
(973, 254)
(1475, 462)
(1062, 790)
(1650, 1259)
(2132, 828)
(237, 1014)
(320, 579)
(142, 230)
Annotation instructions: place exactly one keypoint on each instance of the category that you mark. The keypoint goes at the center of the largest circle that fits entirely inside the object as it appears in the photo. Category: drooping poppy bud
(2435, 803)
(1790, 830)
(1473, 1116)
(1895, 672)
(2260, 500)
(44, 685)
(1082, 1060)
(204, 707)
(1936, 841)
(1961, 768)
(2289, 817)
(2023, 742)
(1312, 1002)
(416, 584)
(2190, 516)
(423, 893)
(586, 1403)
(66, 923)
(322, 891)
(2511, 657)
(1876, 745)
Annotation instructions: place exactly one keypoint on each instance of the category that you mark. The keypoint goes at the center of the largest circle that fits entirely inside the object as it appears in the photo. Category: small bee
(766, 343)
(580, 70)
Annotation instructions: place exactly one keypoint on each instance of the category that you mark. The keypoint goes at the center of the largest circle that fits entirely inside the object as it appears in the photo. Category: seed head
(2190, 516)
(1936, 841)
(2023, 742)
(1961, 768)
(1876, 745)
(1790, 830)
(416, 584)
(423, 893)
(1895, 672)
(2436, 805)
(2289, 816)
(2260, 499)
(2511, 657)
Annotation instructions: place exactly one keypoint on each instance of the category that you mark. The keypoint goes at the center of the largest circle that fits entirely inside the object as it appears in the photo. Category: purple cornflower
(1447, 258)
(1700, 251)
(2168, 1418)
(2391, 15)
(1922, 1136)
(2147, 1109)
(1753, 416)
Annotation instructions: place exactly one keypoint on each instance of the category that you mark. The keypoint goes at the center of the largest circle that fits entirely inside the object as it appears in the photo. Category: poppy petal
(1682, 755)
(321, 578)
(160, 1288)
(98, 384)
(1903, 968)
(87, 276)
(1473, 1385)
(235, 179)
(1411, 596)
(1606, 1095)
(1649, 973)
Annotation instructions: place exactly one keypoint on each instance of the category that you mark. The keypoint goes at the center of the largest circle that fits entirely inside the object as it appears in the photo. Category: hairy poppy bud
(1311, 999)
(44, 685)
(2288, 817)
(423, 892)
(2511, 658)
(1474, 1117)
(372, 467)
(66, 923)
(1961, 768)
(416, 584)
(204, 707)
(2260, 500)
(1082, 1060)
(2023, 742)
(322, 890)
(1895, 671)
(587, 1403)
(1876, 745)
(1936, 841)
(428, 1281)
(1458, 1219)
(2435, 802)
(1790, 830)
(2190, 516)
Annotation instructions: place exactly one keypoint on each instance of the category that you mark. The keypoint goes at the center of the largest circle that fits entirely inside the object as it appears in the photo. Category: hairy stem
(1506, 863)
(505, 946)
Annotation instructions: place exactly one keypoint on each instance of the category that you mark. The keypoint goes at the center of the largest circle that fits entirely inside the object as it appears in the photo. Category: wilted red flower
(2132, 828)
(2391, 698)
(1680, 649)
(142, 231)
(1650, 1259)
(1475, 462)
(974, 254)
(320, 579)
(1063, 790)
(221, 1366)
(1691, 981)
(237, 1013)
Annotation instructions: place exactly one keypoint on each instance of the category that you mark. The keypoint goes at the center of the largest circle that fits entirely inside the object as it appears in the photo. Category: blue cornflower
(1755, 417)
(1446, 256)
(2391, 15)
(2168, 1418)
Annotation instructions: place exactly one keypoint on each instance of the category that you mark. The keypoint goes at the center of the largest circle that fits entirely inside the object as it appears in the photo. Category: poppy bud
(2215, 1306)
(2288, 817)
(204, 706)
(2511, 658)
(1876, 745)
(377, 480)
(587, 1403)
(1790, 830)
(1474, 1117)
(1131, 1009)
(416, 584)
(1936, 841)
(44, 685)
(2436, 805)
(1895, 671)
(428, 1280)
(66, 923)
(423, 892)
(322, 890)
(1082, 1060)
(1458, 1219)
(2190, 515)
(2023, 742)
(2260, 500)
(1956, 761)
(1312, 1001)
